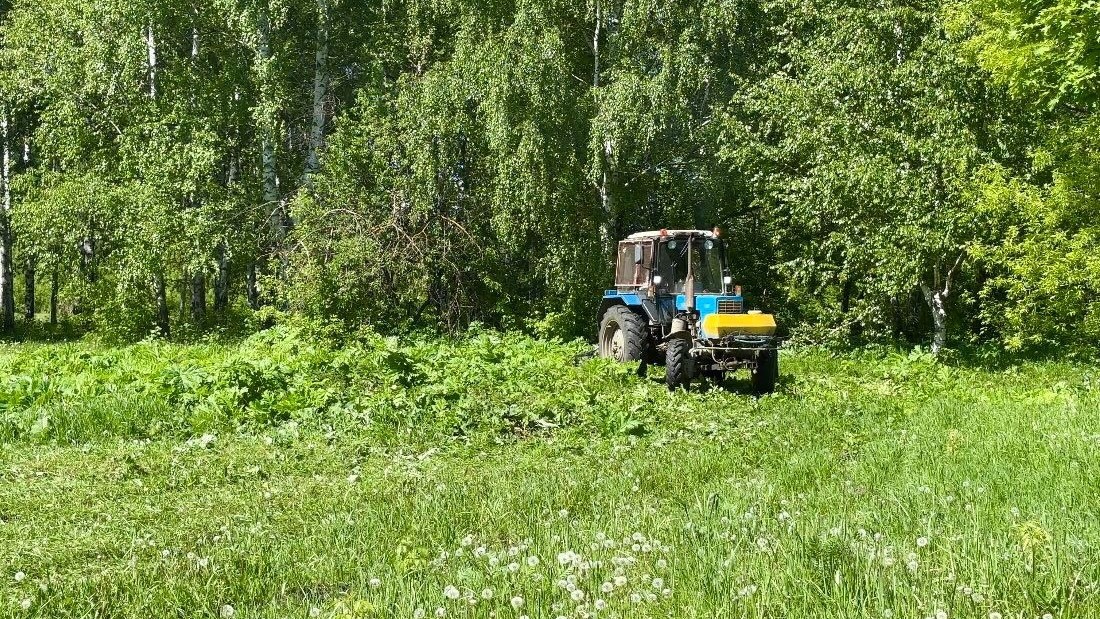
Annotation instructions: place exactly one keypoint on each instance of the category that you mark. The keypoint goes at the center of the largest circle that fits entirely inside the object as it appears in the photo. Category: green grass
(173, 481)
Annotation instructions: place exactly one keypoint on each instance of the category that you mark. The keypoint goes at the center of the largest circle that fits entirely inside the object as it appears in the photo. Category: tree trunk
(252, 287)
(7, 289)
(163, 320)
(320, 87)
(198, 297)
(275, 207)
(55, 285)
(937, 303)
(221, 280)
(151, 49)
(607, 218)
(29, 293)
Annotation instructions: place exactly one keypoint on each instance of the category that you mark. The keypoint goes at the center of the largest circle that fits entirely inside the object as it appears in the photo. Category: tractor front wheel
(766, 373)
(678, 364)
(624, 336)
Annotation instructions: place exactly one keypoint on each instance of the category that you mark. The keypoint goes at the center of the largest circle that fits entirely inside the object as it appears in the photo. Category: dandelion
(977, 597)
(658, 583)
(494, 561)
(441, 612)
(487, 593)
(577, 595)
(650, 596)
(226, 612)
(19, 576)
(517, 602)
(25, 603)
(532, 561)
(1048, 616)
(203, 562)
(451, 593)
(922, 542)
(563, 513)
(747, 590)
(417, 614)
(620, 580)
(600, 605)
(636, 598)
(467, 541)
(994, 615)
(662, 564)
(480, 551)
(666, 592)
(512, 567)
(607, 587)
(315, 612)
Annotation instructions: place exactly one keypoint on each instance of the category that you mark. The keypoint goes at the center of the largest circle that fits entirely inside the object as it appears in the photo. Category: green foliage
(877, 481)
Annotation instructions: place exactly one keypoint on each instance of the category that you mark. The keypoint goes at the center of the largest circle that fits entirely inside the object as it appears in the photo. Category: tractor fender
(642, 310)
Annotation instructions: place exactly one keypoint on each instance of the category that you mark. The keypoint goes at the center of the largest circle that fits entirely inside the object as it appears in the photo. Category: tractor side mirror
(639, 255)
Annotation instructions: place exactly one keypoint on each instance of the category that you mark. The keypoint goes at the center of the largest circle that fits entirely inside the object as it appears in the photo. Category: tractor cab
(672, 288)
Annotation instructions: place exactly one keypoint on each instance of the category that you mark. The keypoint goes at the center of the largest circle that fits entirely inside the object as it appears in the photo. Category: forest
(298, 301)
(919, 171)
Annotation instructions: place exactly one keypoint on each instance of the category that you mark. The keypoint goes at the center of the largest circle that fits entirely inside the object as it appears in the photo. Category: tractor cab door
(635, 259)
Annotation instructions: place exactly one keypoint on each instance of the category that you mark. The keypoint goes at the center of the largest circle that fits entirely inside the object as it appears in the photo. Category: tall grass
(514, 473)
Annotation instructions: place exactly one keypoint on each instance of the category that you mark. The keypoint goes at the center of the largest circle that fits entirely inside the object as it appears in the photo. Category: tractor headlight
(657, 279)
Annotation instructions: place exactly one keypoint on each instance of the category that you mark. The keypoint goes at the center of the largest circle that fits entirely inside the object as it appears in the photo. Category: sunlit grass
(877, 486)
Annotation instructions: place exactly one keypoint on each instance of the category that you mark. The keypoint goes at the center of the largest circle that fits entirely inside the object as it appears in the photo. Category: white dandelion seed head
(467, 541)
(576, 595)
(532, 561)
(599, 605)
(994, 615)
(315, 612)
(512, 567)
(417, 614)
(25, 603)
(941, 614)
(19, 576)
(451, 592)
(662, 564)
(494, 561)
(480, 551)
(226, 612)
(375, 583)
(607, 587)
(650, 596)
(1048, 616)
(517, 602)
(636, 598)
(658, 583)
(922, 542)
(666, 592)
(487, 593)
(441, 612)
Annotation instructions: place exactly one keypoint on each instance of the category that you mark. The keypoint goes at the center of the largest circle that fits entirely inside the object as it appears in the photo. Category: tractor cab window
(672, 265)
(633, 265)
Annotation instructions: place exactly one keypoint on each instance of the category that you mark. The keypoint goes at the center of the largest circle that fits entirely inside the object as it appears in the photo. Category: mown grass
(872, 485)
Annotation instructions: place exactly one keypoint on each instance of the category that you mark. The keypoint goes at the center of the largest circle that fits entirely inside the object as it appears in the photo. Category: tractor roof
(656, 234)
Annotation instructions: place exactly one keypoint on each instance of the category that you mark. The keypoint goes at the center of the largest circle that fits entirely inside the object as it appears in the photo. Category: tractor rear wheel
(624, 336)
(678, 364)
(766, 373)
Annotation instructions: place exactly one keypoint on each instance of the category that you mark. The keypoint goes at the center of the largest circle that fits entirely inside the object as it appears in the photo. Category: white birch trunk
(604, 189)
(937, 303)
(320, 89)
(276, 220)
(7, 289)
(151, 48)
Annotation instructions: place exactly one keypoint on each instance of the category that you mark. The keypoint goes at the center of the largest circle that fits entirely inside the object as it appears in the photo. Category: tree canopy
(919, 170)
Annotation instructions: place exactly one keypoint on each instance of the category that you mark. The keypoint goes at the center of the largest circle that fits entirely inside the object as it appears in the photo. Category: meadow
(299, 473)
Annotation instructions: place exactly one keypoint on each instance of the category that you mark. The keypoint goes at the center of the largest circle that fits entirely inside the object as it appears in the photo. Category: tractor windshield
(672, 265)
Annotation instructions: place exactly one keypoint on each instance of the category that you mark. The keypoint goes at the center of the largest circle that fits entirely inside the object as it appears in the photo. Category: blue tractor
(674, 302)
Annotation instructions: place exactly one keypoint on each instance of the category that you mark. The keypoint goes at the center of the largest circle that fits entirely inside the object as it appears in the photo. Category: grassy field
(502, 477)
